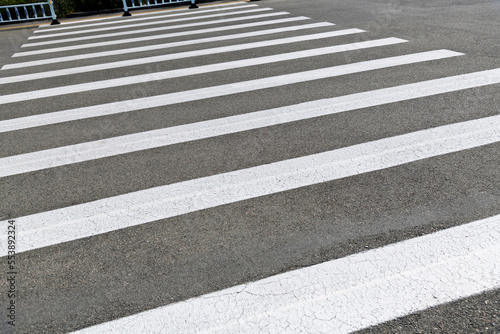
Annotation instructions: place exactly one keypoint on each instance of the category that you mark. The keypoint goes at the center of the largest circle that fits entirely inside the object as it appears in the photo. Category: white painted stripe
(59, 60)
(192, 70)
(343, 295)
(110, 214)
(189, 132)
(150, 30)
(144, 78)
(181, 55)
(158, 20)
(155, 37)
(216, 91)
(167, 11)
(164, 15)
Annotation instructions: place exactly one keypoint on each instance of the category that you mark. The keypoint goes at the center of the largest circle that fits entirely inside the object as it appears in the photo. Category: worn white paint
(222, 90)
(157, 20)
(136, 208)
(170, 45)
(204, 52)
(156, 76)
(147, 17)
(183, 133)
(88, 21)
(340, 296)
(150, 30)
(145, 38)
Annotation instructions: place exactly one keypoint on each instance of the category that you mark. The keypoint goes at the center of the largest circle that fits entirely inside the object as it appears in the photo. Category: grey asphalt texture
(77, 284)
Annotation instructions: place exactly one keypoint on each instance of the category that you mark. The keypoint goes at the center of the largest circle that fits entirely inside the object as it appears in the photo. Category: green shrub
(72, 6)
(63, 7)
(13, 2)
(91, 5)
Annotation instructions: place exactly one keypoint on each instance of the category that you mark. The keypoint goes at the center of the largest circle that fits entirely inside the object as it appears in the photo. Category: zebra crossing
(119, 129)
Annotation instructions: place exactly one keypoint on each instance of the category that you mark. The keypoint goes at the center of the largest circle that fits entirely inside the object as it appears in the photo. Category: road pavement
(250, 167)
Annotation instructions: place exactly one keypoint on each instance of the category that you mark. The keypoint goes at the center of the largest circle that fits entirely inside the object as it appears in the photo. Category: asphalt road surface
(277, 166)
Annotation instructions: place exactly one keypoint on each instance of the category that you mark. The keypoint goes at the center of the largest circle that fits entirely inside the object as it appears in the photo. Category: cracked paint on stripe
(343, 295)
(155, 37)
(215, 91)
(114, 213)
(162, 46)
(183, 133)
(164, 75)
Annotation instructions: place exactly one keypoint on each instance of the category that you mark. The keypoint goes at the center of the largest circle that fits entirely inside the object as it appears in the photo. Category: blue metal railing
(127, 4)
(28, 12)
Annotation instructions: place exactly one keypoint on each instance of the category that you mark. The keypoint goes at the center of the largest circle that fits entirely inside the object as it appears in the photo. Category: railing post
(193, 4)
(125, 9)
(53, 13)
